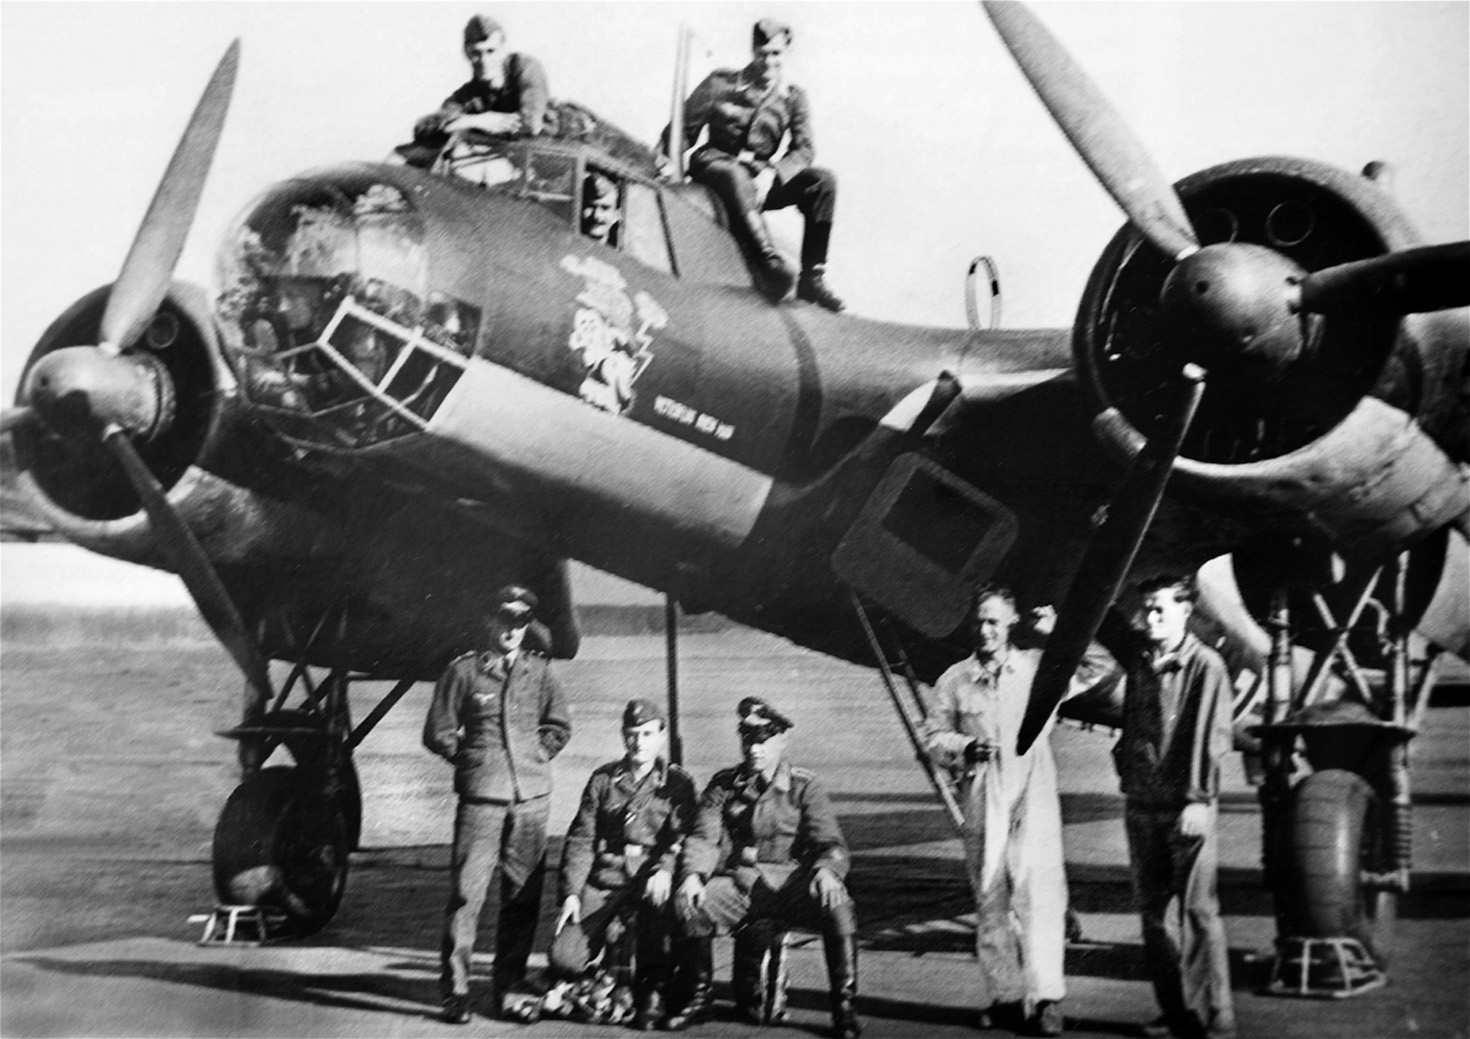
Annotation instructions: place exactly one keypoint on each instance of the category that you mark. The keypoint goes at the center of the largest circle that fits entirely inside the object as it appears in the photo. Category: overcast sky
(942, 150)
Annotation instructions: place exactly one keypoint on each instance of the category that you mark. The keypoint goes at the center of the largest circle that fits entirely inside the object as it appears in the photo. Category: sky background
(942, 150)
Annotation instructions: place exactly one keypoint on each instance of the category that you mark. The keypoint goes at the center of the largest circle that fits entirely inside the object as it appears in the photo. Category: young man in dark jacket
(1176, 733)
(499, 716)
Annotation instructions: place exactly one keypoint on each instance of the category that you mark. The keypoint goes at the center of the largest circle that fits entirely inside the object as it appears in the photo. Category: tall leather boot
(813, 285)
(698, 956)
(651, 981)
(841, 952)
(773, 275)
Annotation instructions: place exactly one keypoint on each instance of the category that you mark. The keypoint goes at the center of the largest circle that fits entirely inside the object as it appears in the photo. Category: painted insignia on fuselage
(611, 332)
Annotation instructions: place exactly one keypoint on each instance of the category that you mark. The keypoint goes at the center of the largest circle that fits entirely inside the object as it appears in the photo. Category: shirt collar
(660, 769)
(1175, 659)
(979, 672)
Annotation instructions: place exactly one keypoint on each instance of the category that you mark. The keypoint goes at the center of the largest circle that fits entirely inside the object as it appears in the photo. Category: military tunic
(523, 92)
(757, 845)
(624, 831)
(499, 722)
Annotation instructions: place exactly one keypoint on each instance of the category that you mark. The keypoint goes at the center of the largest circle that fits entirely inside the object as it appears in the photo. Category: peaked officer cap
(515, 602)
(480, 28)
(640, 712)
(759, 721)
(766, 30)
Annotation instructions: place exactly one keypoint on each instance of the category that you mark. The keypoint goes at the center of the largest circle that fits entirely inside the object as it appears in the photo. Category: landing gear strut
(1336, 846)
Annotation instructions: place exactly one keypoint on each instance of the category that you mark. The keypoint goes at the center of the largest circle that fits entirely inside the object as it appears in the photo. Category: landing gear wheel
(305, 750)
(1329, 837)
(278, 843)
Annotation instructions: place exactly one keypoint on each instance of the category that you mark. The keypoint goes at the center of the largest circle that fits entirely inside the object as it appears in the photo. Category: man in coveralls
(620, 855)
(766, 845)
(750, 112)
(1013, 816)
(1176, 734)
(499, 716)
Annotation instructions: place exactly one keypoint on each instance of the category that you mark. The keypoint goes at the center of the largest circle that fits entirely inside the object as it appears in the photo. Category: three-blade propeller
(105, 392)
(1250, 286)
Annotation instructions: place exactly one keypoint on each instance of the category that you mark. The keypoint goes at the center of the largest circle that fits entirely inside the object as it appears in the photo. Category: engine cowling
(1353, 434)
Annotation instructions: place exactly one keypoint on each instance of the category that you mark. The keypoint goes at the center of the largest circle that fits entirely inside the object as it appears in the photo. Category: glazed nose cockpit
(326, 314)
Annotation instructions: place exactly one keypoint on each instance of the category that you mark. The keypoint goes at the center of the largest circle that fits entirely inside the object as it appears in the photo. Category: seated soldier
(766, 845)
(617, 867)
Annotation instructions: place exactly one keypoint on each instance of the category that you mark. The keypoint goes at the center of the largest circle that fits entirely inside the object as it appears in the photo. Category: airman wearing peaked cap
(766, 846)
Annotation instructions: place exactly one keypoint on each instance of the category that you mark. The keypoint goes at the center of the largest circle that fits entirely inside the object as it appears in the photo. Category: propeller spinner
(1242, 311)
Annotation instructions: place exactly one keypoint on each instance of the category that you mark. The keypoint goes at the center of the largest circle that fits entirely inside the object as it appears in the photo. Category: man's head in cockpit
(600, 208)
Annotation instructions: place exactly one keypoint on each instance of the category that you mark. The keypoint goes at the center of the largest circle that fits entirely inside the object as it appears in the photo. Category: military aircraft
(409, 385)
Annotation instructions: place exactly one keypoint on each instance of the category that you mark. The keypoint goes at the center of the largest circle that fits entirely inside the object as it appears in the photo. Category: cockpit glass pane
(324, 300)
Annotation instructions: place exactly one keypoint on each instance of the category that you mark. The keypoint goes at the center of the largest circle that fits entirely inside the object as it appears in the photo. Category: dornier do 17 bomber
(410, 385)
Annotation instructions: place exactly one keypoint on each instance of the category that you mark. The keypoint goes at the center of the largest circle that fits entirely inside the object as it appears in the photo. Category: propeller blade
(12, 417)
(146, 273)
(1106, 563)
(191, 563)
(1099, 135)
(1410, 281)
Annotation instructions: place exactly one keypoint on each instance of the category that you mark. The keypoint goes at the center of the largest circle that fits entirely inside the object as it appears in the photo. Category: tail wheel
(1330, 838)
(279, 843)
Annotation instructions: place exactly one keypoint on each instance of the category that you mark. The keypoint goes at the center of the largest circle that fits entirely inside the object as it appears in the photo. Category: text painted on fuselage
(685, 415)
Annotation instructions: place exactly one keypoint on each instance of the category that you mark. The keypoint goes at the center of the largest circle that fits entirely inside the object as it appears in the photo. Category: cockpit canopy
(323, 295)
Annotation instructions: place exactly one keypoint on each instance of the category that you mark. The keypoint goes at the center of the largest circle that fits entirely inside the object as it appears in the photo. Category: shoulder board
(806, 775)
(467, 655)
(607, 768)
(679, 772)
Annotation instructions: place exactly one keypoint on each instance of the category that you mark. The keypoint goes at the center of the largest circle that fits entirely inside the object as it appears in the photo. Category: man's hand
(827, 889)
(1044, 619)
(690, 897)
(486, 122)
(571, 913)
(978, 750)
(658, 886)
(1194, 820)
(764, 180)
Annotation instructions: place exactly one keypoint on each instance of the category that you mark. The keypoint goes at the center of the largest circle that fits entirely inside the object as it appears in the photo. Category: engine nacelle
(1347, 440)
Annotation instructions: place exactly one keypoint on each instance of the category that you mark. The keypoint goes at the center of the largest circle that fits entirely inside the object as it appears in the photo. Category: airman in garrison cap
(766, 846)
(499, 716)
(751, 113)
(617, 867)
(506, 94)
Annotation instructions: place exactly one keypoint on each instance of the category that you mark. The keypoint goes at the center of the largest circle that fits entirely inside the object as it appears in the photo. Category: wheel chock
(1323, 968)
(240, 925)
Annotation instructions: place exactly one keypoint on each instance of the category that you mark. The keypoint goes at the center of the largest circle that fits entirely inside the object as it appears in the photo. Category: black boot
(813, 286)
(699, 959)
(841, 953)
(760, 973)
(774, 276)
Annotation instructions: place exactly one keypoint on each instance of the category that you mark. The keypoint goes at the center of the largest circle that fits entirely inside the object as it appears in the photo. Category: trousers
(728, 904)
(488, 834)
(1184, 940)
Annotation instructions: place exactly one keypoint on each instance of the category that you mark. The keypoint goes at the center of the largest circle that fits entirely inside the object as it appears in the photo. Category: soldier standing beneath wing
(766, 845)
(1176, 734)
(499, 716)
(620, 855)
(750, 112)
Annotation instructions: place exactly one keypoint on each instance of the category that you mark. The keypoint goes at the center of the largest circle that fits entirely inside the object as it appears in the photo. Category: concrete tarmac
(111, 779)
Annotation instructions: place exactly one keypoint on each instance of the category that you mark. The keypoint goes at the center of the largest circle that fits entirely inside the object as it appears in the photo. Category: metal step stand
(240, 925)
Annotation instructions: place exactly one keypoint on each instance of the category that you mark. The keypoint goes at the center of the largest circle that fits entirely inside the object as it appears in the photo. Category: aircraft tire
(304, 750)
(277, 844)
(1329, 834)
